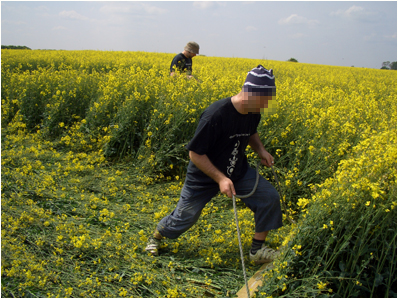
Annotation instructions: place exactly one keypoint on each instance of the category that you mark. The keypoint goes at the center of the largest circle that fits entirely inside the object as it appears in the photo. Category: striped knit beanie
(260, 80)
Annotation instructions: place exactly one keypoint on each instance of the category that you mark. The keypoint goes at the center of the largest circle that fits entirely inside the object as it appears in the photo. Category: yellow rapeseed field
(93, 157)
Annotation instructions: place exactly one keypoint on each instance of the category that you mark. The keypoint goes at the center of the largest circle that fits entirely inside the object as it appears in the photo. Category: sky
(339, 33)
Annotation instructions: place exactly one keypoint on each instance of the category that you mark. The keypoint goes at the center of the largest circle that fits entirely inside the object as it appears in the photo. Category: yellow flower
(68, 291)
(322, 285)
(123, 292)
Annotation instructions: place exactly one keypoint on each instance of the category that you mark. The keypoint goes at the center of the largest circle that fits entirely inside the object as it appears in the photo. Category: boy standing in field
(183, 62)
(218, 164)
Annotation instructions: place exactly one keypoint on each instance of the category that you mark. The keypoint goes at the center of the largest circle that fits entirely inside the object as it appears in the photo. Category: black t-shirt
(181, 63)
(223, 135)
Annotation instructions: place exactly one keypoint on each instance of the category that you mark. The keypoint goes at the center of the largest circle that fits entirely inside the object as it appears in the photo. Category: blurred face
(190, 54)
(256, 102)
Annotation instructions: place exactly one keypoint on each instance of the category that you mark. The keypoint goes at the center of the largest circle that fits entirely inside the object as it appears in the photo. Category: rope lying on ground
(237, 222)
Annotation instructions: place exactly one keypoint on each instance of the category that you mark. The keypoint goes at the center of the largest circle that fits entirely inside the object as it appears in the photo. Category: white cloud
(203, 4)
(73, 15)
(125, 8)
(42, 11)
(115, 9)
(347, 13)
(250, 28)
(355, 12)
(42, 8)
(6, 6)
(153, 10)
(295, 19)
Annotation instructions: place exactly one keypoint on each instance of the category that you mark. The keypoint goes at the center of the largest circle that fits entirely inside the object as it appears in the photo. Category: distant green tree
(386, 65)
(293, 60)
(16, 47)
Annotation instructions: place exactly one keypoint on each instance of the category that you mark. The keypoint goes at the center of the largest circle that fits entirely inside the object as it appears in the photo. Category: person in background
(183, 62)
(218, 163)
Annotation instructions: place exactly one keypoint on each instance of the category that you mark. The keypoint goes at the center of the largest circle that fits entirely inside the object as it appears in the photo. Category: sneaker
(264, 255)
(153, 246)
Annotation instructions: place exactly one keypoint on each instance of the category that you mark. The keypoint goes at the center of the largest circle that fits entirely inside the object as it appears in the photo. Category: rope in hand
(237, 221)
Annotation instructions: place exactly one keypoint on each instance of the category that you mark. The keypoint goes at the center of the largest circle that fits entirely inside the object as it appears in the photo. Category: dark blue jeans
(264, 203)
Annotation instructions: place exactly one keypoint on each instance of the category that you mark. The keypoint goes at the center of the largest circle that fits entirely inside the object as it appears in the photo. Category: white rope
(237, 227)
(237, 222)
(240, 247)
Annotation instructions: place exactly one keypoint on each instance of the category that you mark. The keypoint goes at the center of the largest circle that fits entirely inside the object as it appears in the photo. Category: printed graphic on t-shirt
(239, 135)
(234, 159)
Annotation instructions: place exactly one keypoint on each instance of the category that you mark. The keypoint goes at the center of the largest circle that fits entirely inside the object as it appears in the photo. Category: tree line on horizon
(15, 47)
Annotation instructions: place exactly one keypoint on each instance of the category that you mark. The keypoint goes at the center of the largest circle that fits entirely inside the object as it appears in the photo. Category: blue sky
(363, 34)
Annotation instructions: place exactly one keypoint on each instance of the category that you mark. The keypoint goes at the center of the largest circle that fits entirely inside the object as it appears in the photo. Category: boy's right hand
(227, 187)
